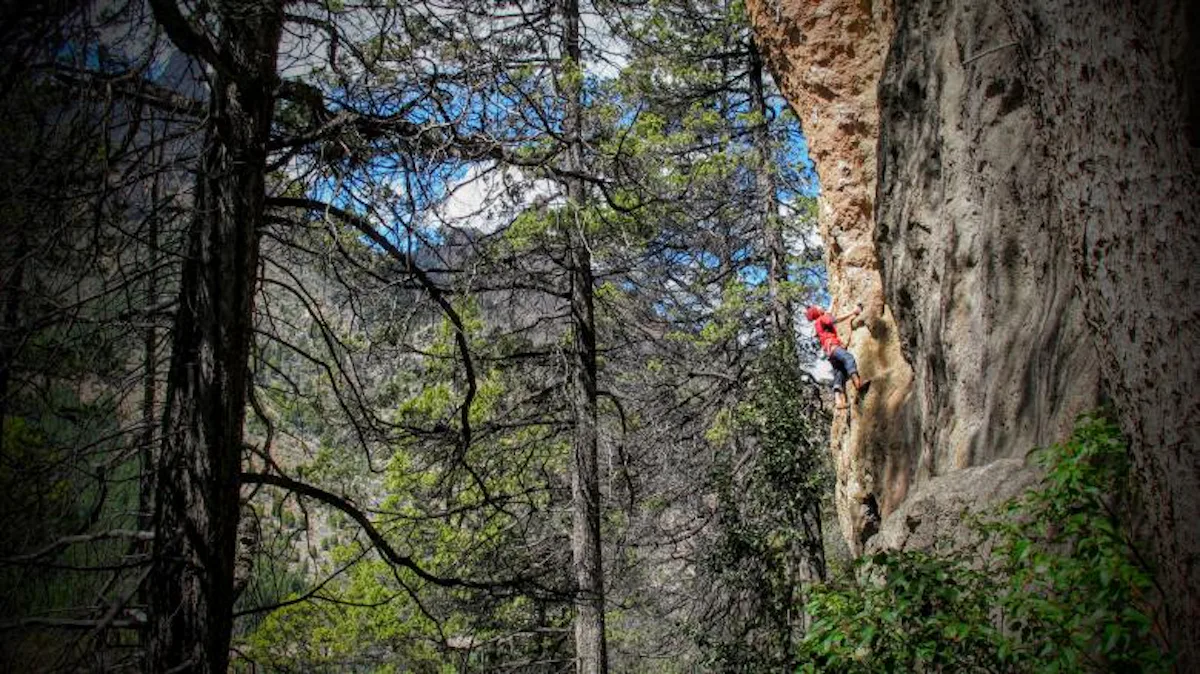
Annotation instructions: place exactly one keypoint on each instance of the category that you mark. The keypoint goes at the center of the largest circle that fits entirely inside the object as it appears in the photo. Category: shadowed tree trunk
(197, 499)
(590, 649)
(768, 203)
(10, 290)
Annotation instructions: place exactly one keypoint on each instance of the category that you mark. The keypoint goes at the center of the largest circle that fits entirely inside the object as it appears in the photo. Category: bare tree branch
(68, 541)
(435, 292)
(377, 538)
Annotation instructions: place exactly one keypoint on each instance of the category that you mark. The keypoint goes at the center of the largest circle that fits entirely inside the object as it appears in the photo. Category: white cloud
(488, 197)
(610, 53)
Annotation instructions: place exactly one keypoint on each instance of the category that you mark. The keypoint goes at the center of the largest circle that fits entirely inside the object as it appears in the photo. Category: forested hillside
(349, 336)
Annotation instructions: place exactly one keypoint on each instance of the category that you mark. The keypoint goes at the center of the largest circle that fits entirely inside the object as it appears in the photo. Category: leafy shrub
(1059, 586)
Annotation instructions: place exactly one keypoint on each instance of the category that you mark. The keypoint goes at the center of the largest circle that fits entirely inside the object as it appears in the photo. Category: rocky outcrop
(936, 510)
(1010, 188)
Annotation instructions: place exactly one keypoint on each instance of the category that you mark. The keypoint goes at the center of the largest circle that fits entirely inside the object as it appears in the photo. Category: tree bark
(197, 496)
(11, 281)
(782, 313)
(590, 648)
(146, 464)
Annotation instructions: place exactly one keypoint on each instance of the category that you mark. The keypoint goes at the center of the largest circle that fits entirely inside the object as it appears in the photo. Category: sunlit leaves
(1061, 587)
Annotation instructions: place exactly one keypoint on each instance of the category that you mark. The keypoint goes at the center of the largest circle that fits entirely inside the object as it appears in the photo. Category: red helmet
(813, 313)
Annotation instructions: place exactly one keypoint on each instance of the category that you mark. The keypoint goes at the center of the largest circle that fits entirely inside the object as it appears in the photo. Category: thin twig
(83, 538)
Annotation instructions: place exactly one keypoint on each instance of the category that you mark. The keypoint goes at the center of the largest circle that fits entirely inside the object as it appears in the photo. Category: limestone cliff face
(1010, 188)
(827, 59)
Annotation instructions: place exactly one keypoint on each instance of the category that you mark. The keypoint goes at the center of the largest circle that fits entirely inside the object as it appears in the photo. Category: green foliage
(791, 431)
(477, 513)
(903, 612)
(350, 632)
(771, 534)
(1077, 595)
(1061, 587)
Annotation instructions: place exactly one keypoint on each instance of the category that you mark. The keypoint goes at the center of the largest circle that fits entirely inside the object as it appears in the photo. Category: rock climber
(844, 366)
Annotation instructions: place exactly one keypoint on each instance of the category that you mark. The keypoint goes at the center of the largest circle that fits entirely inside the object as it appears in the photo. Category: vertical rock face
(827, 59)
(974, 257)
(1010, 188)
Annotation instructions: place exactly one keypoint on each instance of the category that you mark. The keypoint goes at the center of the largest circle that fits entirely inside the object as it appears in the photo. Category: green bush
(1061, 587)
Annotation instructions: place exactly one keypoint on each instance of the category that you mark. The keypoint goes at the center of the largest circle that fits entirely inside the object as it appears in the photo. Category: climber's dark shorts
(843, 367)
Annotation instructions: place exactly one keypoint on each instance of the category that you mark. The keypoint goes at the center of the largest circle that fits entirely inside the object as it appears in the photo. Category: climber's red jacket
(826, 332)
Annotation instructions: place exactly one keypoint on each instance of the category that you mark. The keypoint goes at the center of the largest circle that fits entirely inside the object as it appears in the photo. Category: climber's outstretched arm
(852, 314)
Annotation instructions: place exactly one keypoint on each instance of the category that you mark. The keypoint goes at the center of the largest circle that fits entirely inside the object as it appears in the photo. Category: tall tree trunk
(146, 465)
(197, 496)
(149, 382)
(590, 649)
(782, 314)
(807, 557)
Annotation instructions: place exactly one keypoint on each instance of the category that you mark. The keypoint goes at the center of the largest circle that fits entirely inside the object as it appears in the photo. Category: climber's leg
(839, 384)
(845, 360)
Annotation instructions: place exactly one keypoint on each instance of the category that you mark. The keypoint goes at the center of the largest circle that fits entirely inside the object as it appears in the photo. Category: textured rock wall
(933, 512)
(975, 339)
(1116, 102)
(1010, 187)
(974, 258)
